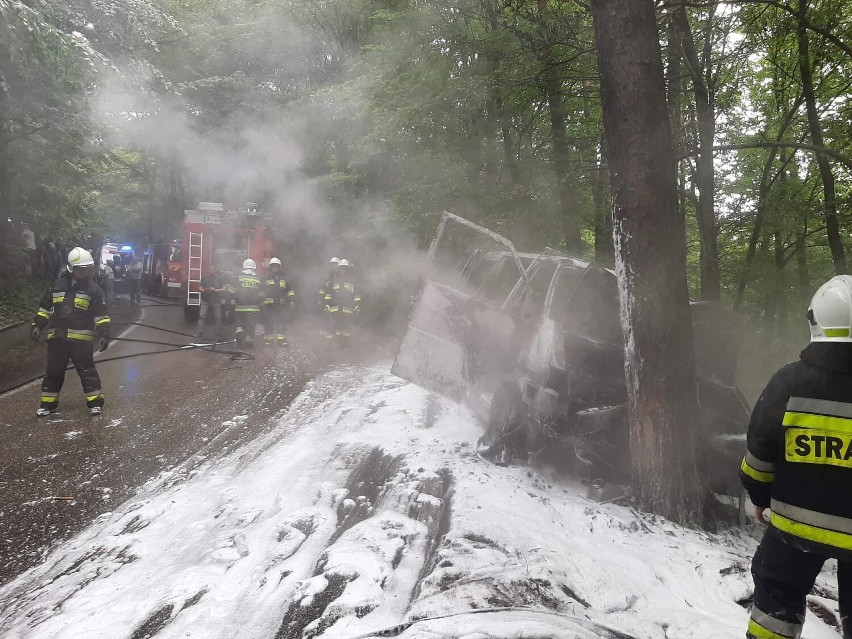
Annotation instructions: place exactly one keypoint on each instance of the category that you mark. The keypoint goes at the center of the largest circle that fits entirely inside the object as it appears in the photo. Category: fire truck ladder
(196, 251)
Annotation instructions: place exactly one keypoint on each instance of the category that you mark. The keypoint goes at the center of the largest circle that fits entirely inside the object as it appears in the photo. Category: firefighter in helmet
(247, 292)
(73, 317)
(327, 330)
(279, 298)
(342, 304)
(799, 465)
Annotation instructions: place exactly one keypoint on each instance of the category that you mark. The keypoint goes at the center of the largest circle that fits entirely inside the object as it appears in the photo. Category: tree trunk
(802, 270)
(704, 170)
(668, 469)
(562, 161)
(835, 242)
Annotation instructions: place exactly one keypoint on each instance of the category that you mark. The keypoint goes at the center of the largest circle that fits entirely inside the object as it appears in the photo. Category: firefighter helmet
(830, 312)
(344, 263)
(334, 260)
(79, 257)
(249, 265)
(274, 260)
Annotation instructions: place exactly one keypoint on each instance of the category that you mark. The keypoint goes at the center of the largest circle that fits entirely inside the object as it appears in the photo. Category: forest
(371, 117)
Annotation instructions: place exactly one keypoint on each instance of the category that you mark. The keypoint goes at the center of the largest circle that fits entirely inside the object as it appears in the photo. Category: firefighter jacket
(799, 458)
(326, 289)
(247, 292)
(277, 293)
(343, 297)
(73, 311)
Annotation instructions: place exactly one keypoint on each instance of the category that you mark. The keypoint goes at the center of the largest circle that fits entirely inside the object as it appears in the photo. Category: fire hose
(233, 355)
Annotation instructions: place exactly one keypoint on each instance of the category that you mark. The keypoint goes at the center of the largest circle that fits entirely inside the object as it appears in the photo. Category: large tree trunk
(669, 475)
(704, 171)
(835, 242)
(562, 161)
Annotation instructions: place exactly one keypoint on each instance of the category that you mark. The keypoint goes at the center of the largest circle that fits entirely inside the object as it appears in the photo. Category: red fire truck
(211, 235)
(162, 270)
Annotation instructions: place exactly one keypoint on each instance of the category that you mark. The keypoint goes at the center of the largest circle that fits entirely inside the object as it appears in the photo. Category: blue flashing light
(126, 248)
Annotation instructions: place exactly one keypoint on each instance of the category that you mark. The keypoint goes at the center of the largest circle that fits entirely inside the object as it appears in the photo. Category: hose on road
(234, 356)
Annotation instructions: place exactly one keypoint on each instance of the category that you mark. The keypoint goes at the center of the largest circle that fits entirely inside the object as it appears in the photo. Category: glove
(356, 310)
(292, 304)
(327, 308)
(35, 333)
(103, 344)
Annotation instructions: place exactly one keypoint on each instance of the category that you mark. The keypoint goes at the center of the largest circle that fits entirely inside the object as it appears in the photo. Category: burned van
(532, 342)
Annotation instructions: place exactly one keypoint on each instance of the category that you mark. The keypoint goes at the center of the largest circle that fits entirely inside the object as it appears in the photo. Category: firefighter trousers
(273, 325)
(783, 576)
(246, 322)
(59, 352)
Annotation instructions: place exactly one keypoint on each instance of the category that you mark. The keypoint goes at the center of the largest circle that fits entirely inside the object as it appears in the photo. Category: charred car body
(532, 342)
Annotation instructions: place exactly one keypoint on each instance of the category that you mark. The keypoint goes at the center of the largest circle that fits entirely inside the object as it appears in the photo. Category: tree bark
(668, 467)
(702, 88)
(835, 242)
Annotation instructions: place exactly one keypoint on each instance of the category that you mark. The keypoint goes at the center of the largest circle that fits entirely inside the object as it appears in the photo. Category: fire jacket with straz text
(799, 459)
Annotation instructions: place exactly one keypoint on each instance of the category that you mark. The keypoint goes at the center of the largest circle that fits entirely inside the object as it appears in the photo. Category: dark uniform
(799, 464)
(74, 315)
(342, 303)
(278, 297)
(327, 329)
(247, 294)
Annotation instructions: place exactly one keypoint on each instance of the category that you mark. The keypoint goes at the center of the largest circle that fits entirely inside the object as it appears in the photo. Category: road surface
(59, 473)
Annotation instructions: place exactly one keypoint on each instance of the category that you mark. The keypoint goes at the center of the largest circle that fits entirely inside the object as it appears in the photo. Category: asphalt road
(59, 473)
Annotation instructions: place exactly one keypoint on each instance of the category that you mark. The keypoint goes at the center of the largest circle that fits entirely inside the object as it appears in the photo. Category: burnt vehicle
(532, 342)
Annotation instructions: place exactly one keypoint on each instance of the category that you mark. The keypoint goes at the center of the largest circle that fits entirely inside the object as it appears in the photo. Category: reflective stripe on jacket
(277, 292)
(247, 292)
(71, 311)
(799, 459)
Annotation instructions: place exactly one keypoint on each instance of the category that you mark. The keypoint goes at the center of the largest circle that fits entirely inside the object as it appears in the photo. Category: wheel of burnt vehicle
(507, 432)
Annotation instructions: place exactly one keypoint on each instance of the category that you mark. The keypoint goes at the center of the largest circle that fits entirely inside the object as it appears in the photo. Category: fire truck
(162, 270)
(213, 235)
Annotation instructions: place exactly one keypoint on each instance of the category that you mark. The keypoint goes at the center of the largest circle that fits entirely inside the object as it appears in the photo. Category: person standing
(134, 278)
(279, 299)
(343, 303)
(73, 313)
(107, 279)
(799, 465)
(327, 328)
(213, 288)
(247, 293)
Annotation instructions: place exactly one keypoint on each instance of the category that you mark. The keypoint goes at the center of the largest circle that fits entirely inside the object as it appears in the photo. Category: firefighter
(799, 465)
(342, 304)
(247, 294)
(327, 329)
(73, 314)
(279, 296)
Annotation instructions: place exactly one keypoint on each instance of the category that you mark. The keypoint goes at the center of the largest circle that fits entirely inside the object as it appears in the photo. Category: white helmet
(334, 260)
(79, 257)
(249, 265)
(344, 262)
(830, 312)
(274, 260)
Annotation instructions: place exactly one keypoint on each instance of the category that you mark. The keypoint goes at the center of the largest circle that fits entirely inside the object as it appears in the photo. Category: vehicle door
(455, 334)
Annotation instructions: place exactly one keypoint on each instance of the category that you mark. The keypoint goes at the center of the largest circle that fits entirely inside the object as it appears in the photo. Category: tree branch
(837, 155)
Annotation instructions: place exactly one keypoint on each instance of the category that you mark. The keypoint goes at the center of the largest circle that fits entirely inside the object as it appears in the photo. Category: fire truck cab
(162, 270)
(212, 235)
